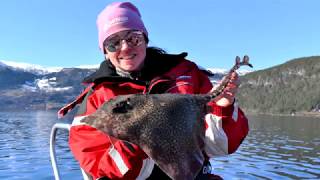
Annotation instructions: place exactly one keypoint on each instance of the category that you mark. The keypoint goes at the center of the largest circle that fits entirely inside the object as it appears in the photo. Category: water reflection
(276, 148)
(24, 146)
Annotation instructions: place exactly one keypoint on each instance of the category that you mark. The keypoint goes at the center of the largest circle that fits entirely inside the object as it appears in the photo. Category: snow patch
(32, 68)
(49, 85)
(241, 72)
(29, 87)
(219, 73)
(2, 64)
(94, 66)
(40, 70)
(45, 84)
(218, 70)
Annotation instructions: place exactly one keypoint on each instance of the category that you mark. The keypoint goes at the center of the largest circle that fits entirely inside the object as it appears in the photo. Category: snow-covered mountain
(27, 86)
(225, 71)
(26, 67)
(33, 86)
(92, 66)
(45, 77)
(2, 64)
(40, 70)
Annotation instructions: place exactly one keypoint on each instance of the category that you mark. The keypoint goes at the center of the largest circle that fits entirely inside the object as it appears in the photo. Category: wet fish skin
(168, 127)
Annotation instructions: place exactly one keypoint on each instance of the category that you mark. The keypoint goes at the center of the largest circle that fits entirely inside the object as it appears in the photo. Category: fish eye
(122, 106)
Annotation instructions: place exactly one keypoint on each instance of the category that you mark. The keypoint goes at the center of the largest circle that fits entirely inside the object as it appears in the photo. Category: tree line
(287, 88)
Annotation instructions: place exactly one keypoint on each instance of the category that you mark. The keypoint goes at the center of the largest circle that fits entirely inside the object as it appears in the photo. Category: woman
(130, 67)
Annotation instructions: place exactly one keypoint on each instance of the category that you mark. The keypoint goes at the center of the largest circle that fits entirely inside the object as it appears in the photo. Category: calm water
(276, 148)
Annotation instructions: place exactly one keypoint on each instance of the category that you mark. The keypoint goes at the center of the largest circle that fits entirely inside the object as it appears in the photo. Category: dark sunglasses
(132, 38)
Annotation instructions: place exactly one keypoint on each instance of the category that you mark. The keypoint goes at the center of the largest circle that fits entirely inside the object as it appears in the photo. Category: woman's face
(126, 50)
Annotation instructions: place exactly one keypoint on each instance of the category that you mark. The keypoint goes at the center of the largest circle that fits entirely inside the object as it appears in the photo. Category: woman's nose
(124, 45)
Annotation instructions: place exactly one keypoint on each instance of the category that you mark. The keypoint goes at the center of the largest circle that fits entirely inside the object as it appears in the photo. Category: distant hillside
(26, 86)
(290, 87)
(10, 78)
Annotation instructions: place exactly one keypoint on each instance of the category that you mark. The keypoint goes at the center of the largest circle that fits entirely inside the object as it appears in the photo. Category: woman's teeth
(128, 57)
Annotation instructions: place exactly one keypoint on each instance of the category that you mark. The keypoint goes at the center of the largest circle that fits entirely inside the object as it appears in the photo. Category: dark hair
(152, 51)
(146, 38)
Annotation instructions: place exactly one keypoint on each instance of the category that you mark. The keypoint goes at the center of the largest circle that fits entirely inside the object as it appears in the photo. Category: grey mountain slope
(290, 87)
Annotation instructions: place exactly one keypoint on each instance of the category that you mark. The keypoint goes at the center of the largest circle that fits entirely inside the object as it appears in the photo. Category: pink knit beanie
(117, 17)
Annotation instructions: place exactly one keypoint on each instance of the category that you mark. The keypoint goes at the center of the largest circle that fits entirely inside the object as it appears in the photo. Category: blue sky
(63, 32)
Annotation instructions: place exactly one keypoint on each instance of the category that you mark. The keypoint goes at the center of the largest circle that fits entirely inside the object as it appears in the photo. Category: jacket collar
(154, 66)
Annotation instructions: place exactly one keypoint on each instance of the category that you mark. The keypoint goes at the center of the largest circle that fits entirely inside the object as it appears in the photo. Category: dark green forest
(287, 88)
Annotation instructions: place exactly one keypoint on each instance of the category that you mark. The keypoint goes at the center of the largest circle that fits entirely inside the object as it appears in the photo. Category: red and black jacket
(101, 155)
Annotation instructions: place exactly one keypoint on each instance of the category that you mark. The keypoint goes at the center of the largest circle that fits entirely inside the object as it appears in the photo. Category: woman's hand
(226, 98)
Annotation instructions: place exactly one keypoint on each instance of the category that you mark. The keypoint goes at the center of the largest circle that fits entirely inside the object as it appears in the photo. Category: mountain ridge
(263, 91)
(26, 86)
(289, 88)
